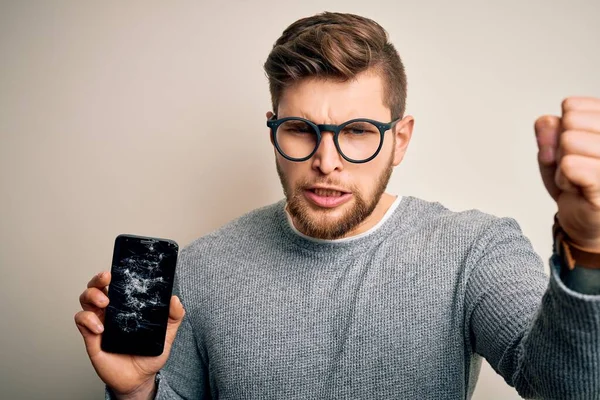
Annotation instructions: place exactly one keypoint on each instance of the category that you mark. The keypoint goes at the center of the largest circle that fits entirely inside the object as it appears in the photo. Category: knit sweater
(404, 311)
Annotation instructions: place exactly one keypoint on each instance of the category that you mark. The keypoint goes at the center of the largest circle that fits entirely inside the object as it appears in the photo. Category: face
(327, 196)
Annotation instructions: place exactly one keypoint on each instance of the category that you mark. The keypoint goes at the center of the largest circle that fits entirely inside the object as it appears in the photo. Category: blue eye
(360, 129)
(295, 127)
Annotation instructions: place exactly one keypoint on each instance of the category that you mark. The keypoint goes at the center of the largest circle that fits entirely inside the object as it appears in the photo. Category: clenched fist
(569, 160)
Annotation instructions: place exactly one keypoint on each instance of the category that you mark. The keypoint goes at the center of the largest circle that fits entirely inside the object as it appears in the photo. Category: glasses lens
(359, 140)
(296, 138)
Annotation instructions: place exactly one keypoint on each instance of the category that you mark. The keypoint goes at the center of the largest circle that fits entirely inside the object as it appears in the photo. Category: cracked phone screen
(140, 291)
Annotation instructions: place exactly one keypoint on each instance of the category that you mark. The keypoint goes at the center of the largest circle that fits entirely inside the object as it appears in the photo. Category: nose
(327, 159)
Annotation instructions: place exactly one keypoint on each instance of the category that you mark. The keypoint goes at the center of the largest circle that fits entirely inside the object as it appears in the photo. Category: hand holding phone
(125, 374)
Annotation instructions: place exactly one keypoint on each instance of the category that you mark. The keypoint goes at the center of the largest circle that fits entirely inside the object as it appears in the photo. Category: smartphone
(143, 269)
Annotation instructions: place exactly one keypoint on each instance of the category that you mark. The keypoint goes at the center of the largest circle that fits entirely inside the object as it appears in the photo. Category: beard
(318, 223)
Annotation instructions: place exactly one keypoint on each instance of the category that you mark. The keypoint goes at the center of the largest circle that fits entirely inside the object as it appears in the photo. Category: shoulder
(469, 230)
(425, 214)
(246, 237)
(474, 234)
(470, 239)
(240, 231)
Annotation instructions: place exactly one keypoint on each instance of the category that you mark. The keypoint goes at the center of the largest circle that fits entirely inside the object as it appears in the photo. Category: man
(345, 291)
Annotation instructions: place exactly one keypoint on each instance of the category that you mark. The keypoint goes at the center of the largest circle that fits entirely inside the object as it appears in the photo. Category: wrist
(590, 246)
(145, 391)
(589, 243)
(574, 253)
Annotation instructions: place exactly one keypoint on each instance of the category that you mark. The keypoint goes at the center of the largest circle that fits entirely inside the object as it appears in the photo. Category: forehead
(325, 100)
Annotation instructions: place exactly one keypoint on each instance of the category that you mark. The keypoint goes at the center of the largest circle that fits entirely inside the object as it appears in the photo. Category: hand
(569, 160)
(126, 375)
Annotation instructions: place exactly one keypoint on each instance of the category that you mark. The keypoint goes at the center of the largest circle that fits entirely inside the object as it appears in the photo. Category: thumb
(176, 314)
(547, 131)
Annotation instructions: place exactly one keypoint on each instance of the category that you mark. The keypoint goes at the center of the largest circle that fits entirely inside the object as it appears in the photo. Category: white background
(148, 118)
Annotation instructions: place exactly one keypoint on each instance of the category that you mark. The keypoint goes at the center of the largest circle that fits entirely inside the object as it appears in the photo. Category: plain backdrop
(148, 118)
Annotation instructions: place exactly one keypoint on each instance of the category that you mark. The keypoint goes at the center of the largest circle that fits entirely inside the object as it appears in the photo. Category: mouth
(327, 197)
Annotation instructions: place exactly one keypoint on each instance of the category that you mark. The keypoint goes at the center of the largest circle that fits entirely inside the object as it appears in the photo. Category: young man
(345, 291)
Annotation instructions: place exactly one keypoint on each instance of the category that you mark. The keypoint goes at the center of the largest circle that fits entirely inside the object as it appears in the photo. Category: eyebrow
(309, 117)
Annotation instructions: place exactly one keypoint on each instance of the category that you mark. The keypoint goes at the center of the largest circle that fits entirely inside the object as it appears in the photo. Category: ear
(403, 133)
(269, 115)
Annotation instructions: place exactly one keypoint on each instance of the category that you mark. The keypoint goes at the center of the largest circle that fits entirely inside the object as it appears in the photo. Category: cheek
(366, 177)
(292, 171)
(363, 179)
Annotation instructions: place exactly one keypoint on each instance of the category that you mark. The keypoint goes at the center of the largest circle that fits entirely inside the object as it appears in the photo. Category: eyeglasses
(358, 140)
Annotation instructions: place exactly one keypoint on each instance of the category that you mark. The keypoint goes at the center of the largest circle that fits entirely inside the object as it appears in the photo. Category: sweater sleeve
(542, 337)
(581, 280)
(184, 376)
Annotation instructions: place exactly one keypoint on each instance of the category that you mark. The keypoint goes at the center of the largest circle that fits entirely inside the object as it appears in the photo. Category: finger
(90, 321)
(93, 299)
(581, 143)
(100, 281)
(176, 314)
(582, 173)
(547, 130)
(581, 121)
(580, 104)
(90, 328)
(563, 183)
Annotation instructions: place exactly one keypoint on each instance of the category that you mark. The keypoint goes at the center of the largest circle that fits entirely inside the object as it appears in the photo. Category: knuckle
(96, 297)
(91, 302)
(539, 124)
(102, 300)
(570, 120)
(90, 318)
(83, 318)
(567, 141)
(91, 294)
(92, 281)
(99, 280)
(566, 163)
(561, 180)
(83, 296)
(568, 103)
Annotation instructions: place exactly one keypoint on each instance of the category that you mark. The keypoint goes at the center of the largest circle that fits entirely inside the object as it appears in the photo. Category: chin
(326, 216)
(325, 223)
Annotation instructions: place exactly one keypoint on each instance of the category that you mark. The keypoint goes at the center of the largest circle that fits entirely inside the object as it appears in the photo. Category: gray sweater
(404, 312)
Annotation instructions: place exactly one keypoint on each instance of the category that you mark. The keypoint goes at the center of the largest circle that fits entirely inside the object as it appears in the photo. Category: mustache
(305, 184)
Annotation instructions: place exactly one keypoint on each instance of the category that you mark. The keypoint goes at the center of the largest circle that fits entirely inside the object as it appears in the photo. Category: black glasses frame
(273, 123)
